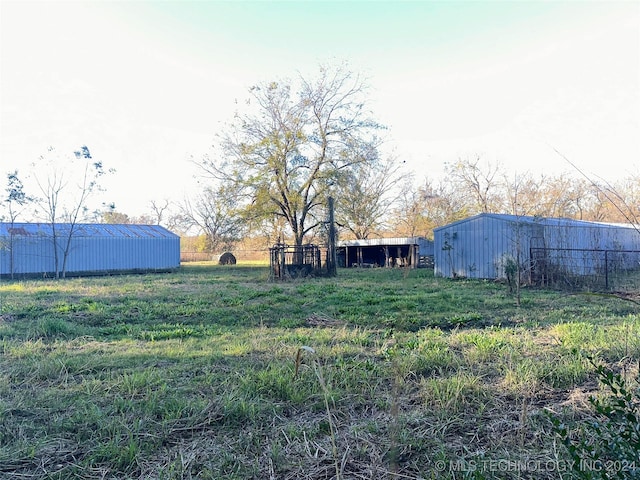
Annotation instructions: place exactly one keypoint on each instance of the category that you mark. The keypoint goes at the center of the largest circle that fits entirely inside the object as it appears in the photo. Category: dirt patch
(319, 320)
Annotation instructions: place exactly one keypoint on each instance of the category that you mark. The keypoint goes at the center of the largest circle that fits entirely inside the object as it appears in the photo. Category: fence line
(257, 254)
(582, 268)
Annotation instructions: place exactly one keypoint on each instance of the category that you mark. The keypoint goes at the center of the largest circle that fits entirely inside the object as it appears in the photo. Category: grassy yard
(202, 374)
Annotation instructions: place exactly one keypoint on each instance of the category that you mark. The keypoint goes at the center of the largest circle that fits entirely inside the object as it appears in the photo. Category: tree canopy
(295, 141)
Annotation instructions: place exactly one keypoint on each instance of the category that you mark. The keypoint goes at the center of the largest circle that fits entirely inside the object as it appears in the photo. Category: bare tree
(408, 218)
(66, 183)
(214, 214)
(367, 194)
(421, 209)
(607, 191)
(523, 194)
(623, 195)
(477, 181)
(159, 210)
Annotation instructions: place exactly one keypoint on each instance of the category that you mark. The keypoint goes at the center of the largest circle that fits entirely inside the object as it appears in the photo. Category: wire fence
(586, 269)
(293, 261)
(242, 255)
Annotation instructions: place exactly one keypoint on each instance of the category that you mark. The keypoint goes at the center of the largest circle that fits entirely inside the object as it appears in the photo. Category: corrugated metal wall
(590, 235)
(584, 242)
(478, 247)
(27, 248)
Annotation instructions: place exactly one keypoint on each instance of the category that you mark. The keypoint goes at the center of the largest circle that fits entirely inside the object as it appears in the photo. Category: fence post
(331, 257)
(283, 265)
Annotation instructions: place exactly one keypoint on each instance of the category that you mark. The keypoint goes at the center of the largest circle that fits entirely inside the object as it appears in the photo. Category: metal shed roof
(372, 242)
(86, 230)
(544, 221)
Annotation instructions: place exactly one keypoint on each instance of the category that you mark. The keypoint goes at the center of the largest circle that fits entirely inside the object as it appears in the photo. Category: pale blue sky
(147, 84)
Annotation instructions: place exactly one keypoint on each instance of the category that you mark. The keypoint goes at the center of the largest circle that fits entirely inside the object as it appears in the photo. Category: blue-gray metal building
(482, 245)
(27, 249)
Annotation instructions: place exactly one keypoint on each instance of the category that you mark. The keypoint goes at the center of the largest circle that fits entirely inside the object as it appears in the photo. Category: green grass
(192, 374)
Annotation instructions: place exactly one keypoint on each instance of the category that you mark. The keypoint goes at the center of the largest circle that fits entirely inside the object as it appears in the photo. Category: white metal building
(27, 249)
(480, 246)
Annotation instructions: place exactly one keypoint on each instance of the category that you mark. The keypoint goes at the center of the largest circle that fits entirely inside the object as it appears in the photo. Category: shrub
(607, 446)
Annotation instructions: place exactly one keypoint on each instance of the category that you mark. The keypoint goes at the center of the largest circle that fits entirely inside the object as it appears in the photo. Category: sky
(147, 85)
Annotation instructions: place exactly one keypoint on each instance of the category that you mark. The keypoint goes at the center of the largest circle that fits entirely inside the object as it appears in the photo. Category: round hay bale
(227, 258)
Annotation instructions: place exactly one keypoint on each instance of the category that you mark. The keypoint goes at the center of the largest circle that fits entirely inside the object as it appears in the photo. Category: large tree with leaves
(294, 142)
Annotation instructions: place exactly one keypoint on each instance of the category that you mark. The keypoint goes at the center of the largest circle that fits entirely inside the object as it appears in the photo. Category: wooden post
(283, 265)
(331, 258)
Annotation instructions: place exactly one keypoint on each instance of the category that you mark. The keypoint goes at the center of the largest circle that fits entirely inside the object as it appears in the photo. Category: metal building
(379, 252)
(27, 249)
(481, 246)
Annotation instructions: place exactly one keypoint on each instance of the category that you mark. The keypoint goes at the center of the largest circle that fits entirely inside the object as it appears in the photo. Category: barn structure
(27, 249)
(483, 246)
(409, 252)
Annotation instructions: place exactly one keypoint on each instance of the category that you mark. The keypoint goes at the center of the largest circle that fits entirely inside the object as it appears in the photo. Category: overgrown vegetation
(193, 375)
(607, 444)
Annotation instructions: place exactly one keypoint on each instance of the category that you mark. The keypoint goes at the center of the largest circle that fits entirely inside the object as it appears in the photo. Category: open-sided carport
(384, 252)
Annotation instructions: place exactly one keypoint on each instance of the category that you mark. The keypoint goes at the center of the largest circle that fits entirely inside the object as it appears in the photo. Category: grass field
(214, 372)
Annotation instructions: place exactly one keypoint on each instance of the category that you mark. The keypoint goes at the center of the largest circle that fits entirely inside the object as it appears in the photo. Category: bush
(606, 446)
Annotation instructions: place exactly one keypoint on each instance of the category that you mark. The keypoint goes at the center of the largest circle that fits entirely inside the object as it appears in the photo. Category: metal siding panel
(98, 247)
(94, 255)
(439, 264)
(128, 253)
(494, 246)
(73, 261)
(462, 246)
(472, 255)
(124, 253)
(144, 254)
(105, 255)
(460, 239)
(31, 255)
(79, 258)
(497, 233)
(463, 250)
(486, 242)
